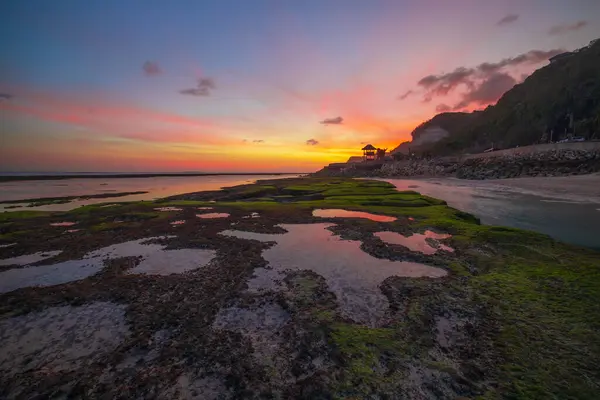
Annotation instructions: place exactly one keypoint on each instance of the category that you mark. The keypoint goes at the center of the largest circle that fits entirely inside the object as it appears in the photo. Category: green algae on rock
(516, 315)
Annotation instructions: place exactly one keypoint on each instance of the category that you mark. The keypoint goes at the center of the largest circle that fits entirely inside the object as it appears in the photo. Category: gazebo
(369, 152)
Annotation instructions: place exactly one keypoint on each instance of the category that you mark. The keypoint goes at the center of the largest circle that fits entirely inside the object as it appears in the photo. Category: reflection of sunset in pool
(353, 275)
(212, 215)
(339, 213)
(416, 241)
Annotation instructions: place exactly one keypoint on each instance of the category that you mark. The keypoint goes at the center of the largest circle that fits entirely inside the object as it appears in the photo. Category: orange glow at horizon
(108, 136)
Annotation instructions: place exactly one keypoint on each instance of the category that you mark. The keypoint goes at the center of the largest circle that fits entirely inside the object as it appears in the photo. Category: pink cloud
(118, 120)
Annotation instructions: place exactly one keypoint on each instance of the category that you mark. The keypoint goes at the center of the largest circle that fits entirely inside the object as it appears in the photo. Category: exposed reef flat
(274, 301)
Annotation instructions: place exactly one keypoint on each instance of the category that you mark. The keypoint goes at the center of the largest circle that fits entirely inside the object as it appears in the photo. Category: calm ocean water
(156, 187)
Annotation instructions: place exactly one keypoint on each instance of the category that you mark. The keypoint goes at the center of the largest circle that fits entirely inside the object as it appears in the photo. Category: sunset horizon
(262, 87)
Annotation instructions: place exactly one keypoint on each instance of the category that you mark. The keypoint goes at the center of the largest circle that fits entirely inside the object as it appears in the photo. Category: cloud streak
(204, 87)
(332, 121)
(484, 83)
(405, 95)
(151, 68)
(488, 91)
(5, 96)
(312, 142)
(508, 19)
(567, 28)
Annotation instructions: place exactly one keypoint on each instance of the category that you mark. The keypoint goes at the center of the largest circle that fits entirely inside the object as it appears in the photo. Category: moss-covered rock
(517, 316)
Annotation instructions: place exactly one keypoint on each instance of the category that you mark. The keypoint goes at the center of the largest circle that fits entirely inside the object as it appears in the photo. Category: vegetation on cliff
(545, 102)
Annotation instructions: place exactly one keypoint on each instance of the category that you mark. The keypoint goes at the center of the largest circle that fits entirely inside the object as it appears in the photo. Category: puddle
(417, 241)
(411, 219)
(155, 261)
(179, 222)
(352, 274)
(205, 208)
(108, 205)
(168, 209)
(61, 338)
(213, 215)
(64, 223)
(48, 275)
(339, 213)
(72, 230)
(6, 245)
(28, 258)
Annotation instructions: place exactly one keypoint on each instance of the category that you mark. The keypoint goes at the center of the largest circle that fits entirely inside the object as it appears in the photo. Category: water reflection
(212, 215)
(339, 213)
(29, 258)
(155, 260)
(353, 275)
(64, 223)
(417, 241)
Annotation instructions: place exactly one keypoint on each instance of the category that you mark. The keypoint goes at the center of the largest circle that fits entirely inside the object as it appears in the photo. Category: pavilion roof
(369, 147)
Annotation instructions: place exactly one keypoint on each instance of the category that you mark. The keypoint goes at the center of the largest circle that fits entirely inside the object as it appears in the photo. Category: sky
(255, 85)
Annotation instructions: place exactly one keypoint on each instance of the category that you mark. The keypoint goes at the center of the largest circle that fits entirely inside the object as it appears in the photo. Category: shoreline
(567, 189)
(14, 178)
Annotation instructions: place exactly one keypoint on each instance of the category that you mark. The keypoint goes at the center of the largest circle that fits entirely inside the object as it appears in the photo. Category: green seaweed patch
(109, 226)
(182, 203)
(25, 214)
(364, 353)
(13, 235)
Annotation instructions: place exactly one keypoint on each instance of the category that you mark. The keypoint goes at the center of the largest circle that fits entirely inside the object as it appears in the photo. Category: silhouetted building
(369, 152)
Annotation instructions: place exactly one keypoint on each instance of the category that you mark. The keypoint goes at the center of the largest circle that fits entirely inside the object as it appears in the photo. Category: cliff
(563, 96)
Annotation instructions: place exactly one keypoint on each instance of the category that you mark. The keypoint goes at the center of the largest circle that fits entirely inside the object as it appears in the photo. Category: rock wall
(547, 161)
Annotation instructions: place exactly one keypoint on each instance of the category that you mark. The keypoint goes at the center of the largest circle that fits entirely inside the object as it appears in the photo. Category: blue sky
(74, 73)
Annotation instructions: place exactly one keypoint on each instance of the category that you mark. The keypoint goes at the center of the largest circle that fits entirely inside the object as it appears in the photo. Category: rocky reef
(404, 298)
